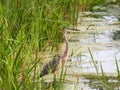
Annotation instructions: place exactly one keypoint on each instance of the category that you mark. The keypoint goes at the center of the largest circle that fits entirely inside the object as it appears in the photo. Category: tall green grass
(117, 68)
(27, 28)
(89, 4)
(102, 78)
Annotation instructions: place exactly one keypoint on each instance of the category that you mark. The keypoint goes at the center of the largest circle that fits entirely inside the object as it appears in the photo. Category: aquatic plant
(116, 35)
(102, 78)
(89, 4)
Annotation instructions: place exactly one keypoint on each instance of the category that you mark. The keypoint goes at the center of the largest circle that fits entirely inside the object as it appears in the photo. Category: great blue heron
(54, 65)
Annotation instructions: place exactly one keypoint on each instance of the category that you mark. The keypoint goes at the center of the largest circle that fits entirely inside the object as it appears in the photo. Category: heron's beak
(72, 29)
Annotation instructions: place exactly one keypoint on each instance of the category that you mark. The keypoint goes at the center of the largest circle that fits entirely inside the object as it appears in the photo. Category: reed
(102, 78)
(27, 28)
(117, 67)
(89, 4)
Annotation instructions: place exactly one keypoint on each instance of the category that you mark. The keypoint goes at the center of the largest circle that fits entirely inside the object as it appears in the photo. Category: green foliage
(116, 35)
(88, 4)
(117, 67)
(26, 28)
(102, 78)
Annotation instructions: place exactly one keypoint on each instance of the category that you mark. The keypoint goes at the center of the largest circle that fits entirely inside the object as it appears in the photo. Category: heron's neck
(66, 53)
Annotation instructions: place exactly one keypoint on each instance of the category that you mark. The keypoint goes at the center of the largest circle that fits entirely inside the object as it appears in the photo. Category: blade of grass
(93, 61)
(117, 66)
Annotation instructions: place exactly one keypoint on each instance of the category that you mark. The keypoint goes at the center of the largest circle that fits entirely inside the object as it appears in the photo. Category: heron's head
(65, 31)
(70, 30)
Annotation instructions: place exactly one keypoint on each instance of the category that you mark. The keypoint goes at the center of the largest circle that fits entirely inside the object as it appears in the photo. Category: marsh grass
(88, 4)
(27, 28)
(102, 78)
(117, 68)
(116, 35)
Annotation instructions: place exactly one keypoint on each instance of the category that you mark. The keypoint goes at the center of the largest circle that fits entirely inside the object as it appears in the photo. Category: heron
(58, 60)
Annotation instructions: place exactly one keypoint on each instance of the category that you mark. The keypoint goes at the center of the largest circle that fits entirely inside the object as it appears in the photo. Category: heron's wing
(51, 66)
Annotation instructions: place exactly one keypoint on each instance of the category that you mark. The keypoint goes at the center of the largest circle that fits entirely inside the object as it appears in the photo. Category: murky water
(97, 35)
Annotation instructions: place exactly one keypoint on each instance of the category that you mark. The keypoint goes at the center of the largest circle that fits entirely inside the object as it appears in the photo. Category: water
(98, 37)
(104, 50)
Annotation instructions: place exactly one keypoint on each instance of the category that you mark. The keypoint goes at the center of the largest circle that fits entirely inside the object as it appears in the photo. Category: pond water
(97, 35)
(97, 32)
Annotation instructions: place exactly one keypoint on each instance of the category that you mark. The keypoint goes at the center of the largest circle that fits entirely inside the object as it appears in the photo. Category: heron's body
(57, 61)
(52, 65)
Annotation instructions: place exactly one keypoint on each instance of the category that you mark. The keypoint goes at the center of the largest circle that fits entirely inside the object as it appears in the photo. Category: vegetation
(28, 27)
(102, 80)
(88, 4)
(116, 35)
